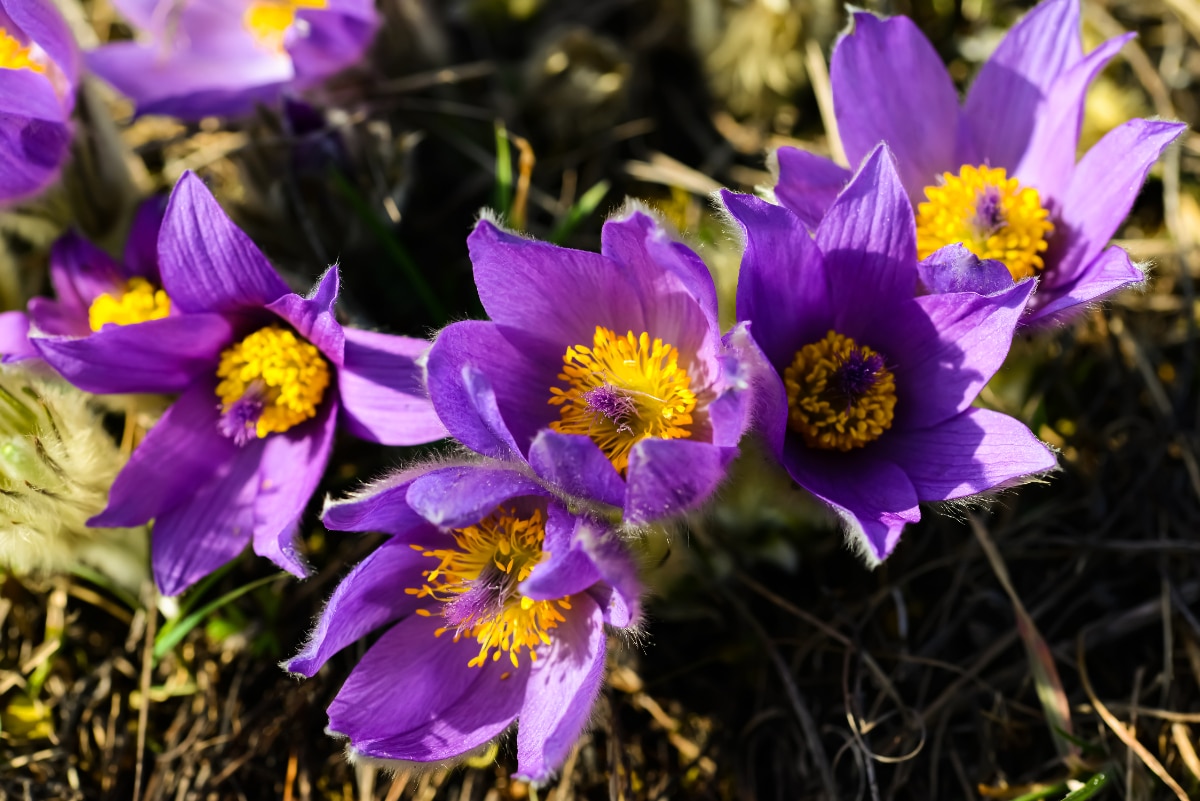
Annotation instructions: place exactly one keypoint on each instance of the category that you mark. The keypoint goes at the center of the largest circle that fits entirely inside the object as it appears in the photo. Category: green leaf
(172, 635)
(583, 207)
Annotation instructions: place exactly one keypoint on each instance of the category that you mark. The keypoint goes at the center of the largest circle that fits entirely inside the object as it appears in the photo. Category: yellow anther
(840, 394)
(280, 370)
(268, 20)
(992, 215)
(138, 302)
(495, 614)
(15, 57)
(622, 390)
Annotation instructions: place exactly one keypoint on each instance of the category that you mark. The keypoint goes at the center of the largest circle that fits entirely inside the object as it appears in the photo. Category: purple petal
(890, 86)
(670, 476)
(14, 338)
(489, 394)
(437, 707)
(943, 355)
(371, 596)
(781, 288)
(1102, 191)
(81, 272)
(382, 506)
(1050, 158)
(556, 294)
(40, 21)
(210, 525)
(808, 184)
(141, 246)
(326, 41)
(1006, 96)
(292, 465)
(382, 389)
(872, 496)
(183, 451)
(971, 453)
(575, 465)
(155, 356)
(456, 497)
(313, 317)
(956, 269)
(31, 154)
(30, 96)
(207, 262)
(1106, 274)
(562, 689)
(729, 414)
(869, 239)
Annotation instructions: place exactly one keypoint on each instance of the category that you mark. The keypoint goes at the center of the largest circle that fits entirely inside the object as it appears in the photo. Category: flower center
(138, 302)
(270, 381)
(476, 584)
(268, 20)
(840, 394)
(15, 57)
(621, 391)
(992, 215)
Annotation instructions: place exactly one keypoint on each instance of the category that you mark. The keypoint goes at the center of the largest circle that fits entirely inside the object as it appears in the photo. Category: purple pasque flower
(605, 372)
(39, 70)
(502, 597)
(200, 58)
(867, 400)
(262, 375)
(998, 173)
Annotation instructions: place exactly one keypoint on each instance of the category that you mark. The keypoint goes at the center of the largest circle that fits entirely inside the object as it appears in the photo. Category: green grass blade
(1089, 789)
(583, 207)
(504, 172)
(171, 636)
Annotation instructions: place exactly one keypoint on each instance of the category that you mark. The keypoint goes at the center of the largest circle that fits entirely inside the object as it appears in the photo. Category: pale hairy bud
(57, 463)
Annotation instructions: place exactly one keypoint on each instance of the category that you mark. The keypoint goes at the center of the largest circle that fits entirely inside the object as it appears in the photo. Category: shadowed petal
(370, 596)
(141, 246)
(889, 85)
(14, 338)
(382, 388)
(972, 453)
(437, 707)
(1109, 272)
(808, 184)
(455, 497)
(1006, 96)
(183, 451)
(575, 464)
(956, 269)
(872, 496)
(31, 154)
(669, 476)
(781, 287)
(80, 272)
(382, 506)
(869, 239)
(207, 262)
(155, 356)
(563, 686)
(313, 316)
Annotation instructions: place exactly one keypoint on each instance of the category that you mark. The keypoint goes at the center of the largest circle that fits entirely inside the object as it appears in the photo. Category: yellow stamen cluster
(138, 302)
(822, 412)
(285, 372)
(492, 558)
(15, 57)
(992, 215)
(268, 20)
(622, 390)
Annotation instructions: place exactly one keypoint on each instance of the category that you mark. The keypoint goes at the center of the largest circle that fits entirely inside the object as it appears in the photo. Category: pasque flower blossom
(867, 397)
(606, 372)
(39, 70)
(502, 597)
(221, 57)
(262, 375)
(998, 173)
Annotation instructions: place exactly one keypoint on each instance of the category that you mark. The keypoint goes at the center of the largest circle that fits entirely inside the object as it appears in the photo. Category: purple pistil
(989, 214)
(485, 598)
(856, 375)
(611, 403)
(240, 421)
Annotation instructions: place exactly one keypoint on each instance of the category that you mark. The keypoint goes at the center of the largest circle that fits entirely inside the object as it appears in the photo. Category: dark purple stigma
(240, 422)
(610, 402)
(989, 215)
(856, 375)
